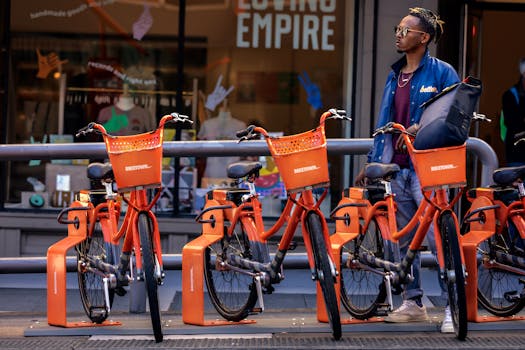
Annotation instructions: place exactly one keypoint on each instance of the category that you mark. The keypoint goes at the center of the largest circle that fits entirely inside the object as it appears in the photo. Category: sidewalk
(289, 322)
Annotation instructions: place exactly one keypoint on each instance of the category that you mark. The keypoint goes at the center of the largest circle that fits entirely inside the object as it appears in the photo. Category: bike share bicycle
(493, 238)
(367, 234)
(238, 267)
(104, 268)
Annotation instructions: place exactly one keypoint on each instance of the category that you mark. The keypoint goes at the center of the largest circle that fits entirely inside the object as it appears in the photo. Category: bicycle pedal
(268, 290)
(120, 291)
(512, 296)
(382, 310)
(292, 245)
(255, 311)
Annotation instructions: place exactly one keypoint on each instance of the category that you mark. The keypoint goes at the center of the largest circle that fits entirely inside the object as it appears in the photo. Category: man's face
(409, 35)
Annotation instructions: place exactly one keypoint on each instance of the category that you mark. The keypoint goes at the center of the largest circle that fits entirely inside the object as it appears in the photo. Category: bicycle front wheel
(323, 268)
(232, 293)
(499, 289)
(363, 289)
(149, 267)
(90, 278)
(454, 276)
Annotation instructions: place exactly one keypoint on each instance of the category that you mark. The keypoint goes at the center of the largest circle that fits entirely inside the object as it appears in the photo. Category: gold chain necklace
(405, 81)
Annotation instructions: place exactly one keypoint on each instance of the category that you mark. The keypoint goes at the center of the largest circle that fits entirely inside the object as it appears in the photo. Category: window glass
(278, 64)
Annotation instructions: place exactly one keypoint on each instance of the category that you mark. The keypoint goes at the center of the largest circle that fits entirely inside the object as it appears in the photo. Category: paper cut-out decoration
(313, 93)
(217, 96)
(143, 24)
(117, 122)
(48, 63)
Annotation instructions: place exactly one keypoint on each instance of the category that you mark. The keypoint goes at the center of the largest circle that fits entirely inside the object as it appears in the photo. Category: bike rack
(345, 231)
(193, 284)
(56, 272)
(479, 231)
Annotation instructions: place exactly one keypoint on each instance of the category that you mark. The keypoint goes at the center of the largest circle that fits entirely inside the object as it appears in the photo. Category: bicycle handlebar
(391, 128)
(253, 132)
(95, 127)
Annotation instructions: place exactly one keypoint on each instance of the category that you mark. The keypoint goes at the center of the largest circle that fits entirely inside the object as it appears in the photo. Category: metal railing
(97, 150)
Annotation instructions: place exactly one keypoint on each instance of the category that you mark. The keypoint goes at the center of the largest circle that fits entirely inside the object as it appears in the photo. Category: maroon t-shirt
(402, 115)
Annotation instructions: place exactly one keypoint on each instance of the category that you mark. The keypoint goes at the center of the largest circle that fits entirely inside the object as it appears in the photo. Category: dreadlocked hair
(429, 21)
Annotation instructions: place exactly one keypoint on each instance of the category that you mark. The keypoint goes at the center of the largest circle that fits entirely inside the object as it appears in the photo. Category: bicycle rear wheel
(323, 268)
(499, 289)
(454, 276)
(151, 279)
(232, 293)
(90, 279)
(362, 289)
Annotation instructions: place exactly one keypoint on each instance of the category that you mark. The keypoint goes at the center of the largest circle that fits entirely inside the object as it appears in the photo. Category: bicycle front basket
(136, 159)
(301, 159)
(441, 167)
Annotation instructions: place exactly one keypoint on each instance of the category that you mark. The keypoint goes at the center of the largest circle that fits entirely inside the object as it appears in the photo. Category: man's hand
(360, 179)
(400, 143)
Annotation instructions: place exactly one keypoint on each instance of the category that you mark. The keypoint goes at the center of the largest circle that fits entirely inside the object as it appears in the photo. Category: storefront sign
(310, 24)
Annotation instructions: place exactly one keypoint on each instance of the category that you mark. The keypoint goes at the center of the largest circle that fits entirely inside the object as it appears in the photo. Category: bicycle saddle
(506, 176)
(99, 171)
(375, 171)
(243, 169)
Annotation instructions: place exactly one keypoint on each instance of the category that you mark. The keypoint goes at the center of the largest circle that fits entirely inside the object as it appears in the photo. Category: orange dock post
(193, 284)
(345, 231)
(56, 272)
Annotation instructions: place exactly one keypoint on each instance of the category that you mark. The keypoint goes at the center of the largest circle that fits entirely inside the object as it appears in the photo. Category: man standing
(513, 103)
(415, 78)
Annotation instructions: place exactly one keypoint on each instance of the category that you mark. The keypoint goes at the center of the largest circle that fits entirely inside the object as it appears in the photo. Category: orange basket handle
(252, 131)
(95, 127)
(174, 117)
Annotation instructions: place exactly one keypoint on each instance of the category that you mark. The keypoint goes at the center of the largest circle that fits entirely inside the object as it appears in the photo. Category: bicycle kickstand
(388, 282)
(258, 285)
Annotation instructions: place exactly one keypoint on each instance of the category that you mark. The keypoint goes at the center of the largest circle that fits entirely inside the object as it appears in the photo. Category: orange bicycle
(371, 267)
(238, 268)
(495, 222)
(103, 267)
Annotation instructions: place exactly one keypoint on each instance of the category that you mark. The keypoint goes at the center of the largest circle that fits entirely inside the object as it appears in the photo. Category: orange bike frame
(137, 203)
(435, 202)
(252, 221)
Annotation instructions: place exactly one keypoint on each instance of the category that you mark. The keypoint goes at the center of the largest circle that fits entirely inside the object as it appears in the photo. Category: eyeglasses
(403, 31)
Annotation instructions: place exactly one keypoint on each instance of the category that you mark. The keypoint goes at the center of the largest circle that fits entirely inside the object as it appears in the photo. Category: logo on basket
(137, 167)
(305, 169)
(443, 167)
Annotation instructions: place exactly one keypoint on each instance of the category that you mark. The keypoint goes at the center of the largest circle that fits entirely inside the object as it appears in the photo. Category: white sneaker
(409, 311)
(447, 326)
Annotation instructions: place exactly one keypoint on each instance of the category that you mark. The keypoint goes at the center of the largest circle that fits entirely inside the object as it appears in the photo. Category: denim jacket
(431, 77)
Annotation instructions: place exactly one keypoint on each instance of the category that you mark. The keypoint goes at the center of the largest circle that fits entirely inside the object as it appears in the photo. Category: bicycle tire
(495, 283)
(232, 293)
(90, 281)
(324, 273)
(362, 290)
(454, 276)
(148, 265)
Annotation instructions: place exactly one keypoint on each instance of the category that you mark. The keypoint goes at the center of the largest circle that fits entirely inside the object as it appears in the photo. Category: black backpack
(445, 122)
